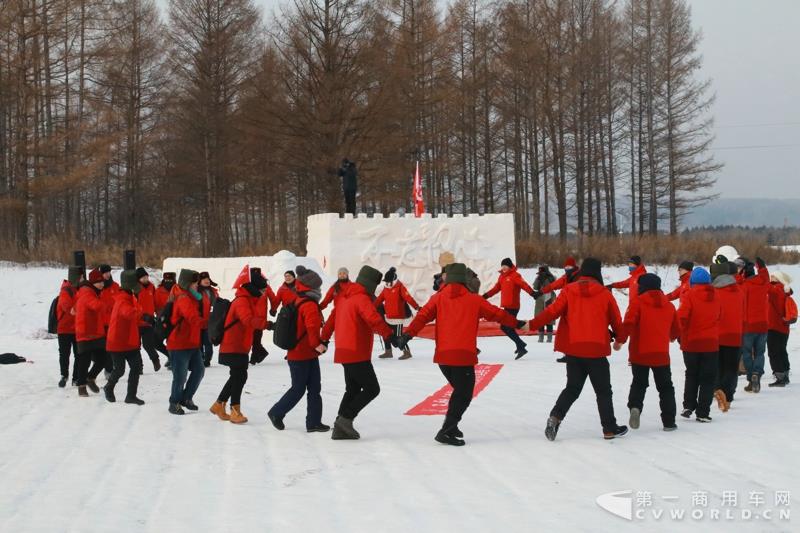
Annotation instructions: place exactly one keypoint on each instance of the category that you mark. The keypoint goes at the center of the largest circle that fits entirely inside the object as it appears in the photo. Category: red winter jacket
(457, 313)
(147, 301)
(394, 300)
(777, 308)
(160, 298)
(756, 302)
(587, 311)
(246, 314)
(509, 285)
(188, 321)
(89, 309)
(123, 330)
(683, 287)
(309, 323)
(66, 303)
(632, 283)
(333, 293)
(651, 323)
(699, 316)
(108, 295)
(353, 321)
(284, 296)
(731, 321)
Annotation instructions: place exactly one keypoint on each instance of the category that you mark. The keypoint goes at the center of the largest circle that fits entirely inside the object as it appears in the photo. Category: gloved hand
(270, 325)
(258, 355)
(485, 295)
(273, 312)
(402, 341)
(610, 288)
(612, 334)
(760, 262)
(536, 295)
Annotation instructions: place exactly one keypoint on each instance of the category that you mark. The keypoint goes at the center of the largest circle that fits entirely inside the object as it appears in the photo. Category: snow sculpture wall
(223, 270)
(412, 245)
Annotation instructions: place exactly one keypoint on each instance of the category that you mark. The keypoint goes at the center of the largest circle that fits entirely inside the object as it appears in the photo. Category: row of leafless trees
(206, 127)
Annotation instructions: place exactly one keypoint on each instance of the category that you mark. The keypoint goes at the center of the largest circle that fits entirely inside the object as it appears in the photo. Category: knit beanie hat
(129, 281)
(308, 278)
(391, 275)
(635, 259)
(187, 277)
(507, 263)
(74, 274)
(141, 272)
(700, 276)
(592, 268)
(570, 263)
(369, 278)
(344, 271)
(649, 282)
(105, 269)
(456, 273)
(688, 266)
(95, 276)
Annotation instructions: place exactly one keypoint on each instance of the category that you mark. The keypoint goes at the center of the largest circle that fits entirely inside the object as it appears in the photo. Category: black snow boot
(619, 431)
(755, 381)
(156, 364)
(448, 437)
(780, 380)
(189, 404)
(109, 391)
(521, 353)
(562, 359)
(92, 384)
(687, 413)
(343, 429)
(134, 400)
(319, 428)
(62, 382)
(552, 428)
(277, 421)
(175, 409)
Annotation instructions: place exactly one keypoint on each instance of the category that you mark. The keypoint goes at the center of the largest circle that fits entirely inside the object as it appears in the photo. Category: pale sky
(751, 51)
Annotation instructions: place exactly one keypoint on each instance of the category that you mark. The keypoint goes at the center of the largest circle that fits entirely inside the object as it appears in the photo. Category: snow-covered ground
(74, 464)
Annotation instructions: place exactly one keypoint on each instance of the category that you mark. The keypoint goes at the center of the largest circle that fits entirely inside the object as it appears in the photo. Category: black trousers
(150, 343)
(237, 364)
(462, 379)
(662, 376)
(511, 333)
(701, 373)
(134, 360)
(728, 370)
(350, 201)
(95, 358)
(776, 348)
(597, 370)
(67, 344)
(361, 387)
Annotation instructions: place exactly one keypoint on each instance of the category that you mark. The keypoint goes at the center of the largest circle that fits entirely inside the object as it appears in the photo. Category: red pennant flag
(243, 277)
(419, 203)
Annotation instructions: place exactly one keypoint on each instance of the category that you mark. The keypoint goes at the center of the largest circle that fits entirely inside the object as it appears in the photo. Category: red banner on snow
(436, 403)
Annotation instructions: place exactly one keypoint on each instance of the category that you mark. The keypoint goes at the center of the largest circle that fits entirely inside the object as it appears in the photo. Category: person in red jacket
(184, 342)
(636, 269)
(651, 324)
(107, 295)
(124, 339)
(756, 322)
(258, 352)
(571, 273)
(146, 297)
(208, 289)
(731, 322)
(342, 279)
(699, 317)
(778, 334)
(457, 313)
(509, 285)
(303, 359)
(66, 324)
(684, 272)
(247, 313)
(286, 292)
(90, 333)
(396, 303)
(163, 291)
(353, 321)
(591, 312)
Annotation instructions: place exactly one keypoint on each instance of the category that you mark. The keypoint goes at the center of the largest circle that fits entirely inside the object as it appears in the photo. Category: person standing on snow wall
(457, 313)
(353, 322)
(395, 303)
(90, 332)
(124, 340)
(303, 359)
(593, 318)
(571, 273)
(65, 313)
(349, 175)
(509, 285)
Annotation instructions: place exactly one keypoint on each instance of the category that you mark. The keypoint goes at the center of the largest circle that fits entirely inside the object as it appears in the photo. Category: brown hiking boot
(236, 415)
(82, 391)
(92, 386)
(406, 354)
(722, 401)
(219, 409)
(387, 353)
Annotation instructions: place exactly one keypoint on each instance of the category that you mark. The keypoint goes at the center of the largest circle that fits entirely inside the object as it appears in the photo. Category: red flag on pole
(419, 203)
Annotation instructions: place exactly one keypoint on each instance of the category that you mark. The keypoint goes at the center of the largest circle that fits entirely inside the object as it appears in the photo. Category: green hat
(720, 269)
(187, 277)
(129, 281)
(369, 278)
(456, 273)
(74, 274)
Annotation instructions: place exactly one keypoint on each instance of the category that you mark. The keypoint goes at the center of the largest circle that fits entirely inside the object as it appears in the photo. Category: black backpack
(284, 331)
(217, 318)
(163, 325)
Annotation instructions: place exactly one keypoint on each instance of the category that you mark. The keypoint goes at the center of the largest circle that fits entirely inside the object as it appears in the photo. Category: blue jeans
(184, 361)
(753, 347)
(305, 377)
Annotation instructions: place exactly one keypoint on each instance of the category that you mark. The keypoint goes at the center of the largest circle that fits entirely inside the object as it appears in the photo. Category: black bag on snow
(52, 317)
(284, 331)
(163, 325)
(216, 320)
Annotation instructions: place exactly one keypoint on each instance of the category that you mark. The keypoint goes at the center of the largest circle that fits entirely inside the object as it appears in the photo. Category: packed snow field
(77, 464)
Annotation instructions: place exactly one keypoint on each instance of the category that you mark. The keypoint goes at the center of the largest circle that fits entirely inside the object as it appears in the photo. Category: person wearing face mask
(342, 279)
(161, 296)
(636, 270)
(184, 342)
(684, 272)
(571, 274)
(396, 302)
(247, 313)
